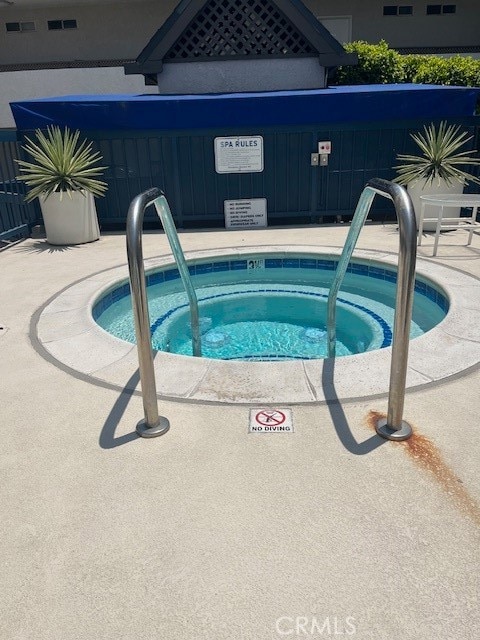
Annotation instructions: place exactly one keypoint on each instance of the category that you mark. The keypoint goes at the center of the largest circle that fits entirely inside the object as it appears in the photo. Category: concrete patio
(212, 533)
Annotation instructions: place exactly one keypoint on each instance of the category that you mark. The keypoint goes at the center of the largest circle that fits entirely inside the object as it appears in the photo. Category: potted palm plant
(63, 174)
(438, 169)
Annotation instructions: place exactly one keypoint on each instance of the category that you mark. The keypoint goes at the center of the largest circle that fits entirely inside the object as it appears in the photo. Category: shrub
(411, 64)
(457, 71)
(442, 156)
(432, 70)
(60, 163)
(377, 64)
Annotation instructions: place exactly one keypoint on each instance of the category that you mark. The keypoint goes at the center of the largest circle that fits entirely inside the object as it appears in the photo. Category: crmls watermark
(314, 627)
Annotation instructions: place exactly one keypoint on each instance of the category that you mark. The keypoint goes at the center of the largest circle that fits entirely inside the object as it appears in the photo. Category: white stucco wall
(115, 31)
(417, 30)
(241, 75)
(25, 85)
(120, 30)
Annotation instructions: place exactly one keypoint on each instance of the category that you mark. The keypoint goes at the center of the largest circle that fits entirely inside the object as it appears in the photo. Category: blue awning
(362, 103)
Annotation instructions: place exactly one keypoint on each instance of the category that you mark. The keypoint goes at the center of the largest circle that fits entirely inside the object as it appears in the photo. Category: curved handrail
(165, 215)
(153, 425)
(394, 427)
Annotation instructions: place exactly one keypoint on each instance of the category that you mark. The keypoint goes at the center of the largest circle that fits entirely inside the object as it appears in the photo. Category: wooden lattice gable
(202, 30)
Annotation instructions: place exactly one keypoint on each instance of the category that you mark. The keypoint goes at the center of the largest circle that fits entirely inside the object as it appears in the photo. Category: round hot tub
(274, 280)
(267, 307)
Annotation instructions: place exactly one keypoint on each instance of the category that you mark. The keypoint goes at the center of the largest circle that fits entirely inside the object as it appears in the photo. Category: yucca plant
(441, 157)
(60, 164)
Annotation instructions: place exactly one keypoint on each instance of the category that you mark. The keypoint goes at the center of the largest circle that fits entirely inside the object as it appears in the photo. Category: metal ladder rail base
(393, 427)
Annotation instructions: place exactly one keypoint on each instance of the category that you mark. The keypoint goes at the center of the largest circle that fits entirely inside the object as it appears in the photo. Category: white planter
(417, 189)
(70, 220)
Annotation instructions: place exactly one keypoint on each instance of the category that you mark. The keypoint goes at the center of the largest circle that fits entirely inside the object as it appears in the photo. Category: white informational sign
(271, 421)
(243, 154)
(242, 214)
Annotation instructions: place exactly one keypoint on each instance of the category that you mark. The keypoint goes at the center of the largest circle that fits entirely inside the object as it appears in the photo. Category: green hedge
(378, 64)
(457, 71)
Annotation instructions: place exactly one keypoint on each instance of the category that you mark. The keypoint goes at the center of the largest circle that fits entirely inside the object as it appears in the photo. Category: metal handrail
(153, 424)
(393, 427)
(165, 215)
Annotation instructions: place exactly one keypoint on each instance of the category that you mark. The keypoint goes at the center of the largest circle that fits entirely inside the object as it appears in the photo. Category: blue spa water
(271, 309)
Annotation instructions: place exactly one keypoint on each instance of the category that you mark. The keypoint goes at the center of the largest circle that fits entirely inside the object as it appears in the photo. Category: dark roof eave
(334, 60)
(147, 68)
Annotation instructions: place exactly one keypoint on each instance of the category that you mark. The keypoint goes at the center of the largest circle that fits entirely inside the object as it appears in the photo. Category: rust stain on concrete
(426, 455)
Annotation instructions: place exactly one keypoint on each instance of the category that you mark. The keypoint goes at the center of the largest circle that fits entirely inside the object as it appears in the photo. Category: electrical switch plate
(325, 147)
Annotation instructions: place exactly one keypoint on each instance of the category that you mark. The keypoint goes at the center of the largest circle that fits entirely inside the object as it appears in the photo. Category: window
(58, 25)
(398, 10)
(439, 9)
(19, 27)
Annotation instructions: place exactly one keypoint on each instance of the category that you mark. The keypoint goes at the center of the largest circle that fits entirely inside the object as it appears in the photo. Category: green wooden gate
(16, 216)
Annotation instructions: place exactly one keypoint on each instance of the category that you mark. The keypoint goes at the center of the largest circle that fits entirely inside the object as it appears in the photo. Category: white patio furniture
(445, 201)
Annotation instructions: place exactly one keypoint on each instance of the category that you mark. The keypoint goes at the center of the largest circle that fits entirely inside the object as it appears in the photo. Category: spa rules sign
(243, 154)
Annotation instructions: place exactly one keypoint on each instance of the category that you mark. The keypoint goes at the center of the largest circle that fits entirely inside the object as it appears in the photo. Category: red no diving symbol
(270, 418)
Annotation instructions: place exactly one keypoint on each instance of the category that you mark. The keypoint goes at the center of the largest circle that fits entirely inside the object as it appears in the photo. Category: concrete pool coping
(65, 333)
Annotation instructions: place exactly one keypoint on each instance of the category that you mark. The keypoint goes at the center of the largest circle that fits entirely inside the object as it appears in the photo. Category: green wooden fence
(182, 164)
(16, 216)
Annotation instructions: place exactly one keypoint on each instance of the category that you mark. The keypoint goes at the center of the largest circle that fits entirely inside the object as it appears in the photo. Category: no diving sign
(271, 421)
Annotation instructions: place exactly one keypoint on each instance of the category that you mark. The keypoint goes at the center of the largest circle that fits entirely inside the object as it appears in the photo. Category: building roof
(200, 30)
